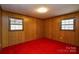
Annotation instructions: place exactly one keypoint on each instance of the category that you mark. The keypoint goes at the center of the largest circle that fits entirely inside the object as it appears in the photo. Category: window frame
(16, 24)
(67, 24)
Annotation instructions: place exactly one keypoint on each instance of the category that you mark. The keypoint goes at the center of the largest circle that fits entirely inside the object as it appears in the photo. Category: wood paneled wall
(32, 30)
(0, 27)
(52, 29)
(36, 28)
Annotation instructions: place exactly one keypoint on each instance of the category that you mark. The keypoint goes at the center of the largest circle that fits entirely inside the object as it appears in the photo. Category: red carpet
(41, 46)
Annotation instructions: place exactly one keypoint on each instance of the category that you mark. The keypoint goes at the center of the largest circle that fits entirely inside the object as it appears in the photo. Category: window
(67, 24)
(16, 24)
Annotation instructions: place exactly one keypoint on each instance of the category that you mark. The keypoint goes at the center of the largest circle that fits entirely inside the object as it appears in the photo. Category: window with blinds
(16, 24)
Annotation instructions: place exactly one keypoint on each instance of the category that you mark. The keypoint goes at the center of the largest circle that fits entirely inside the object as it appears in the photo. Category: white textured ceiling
(29, 9)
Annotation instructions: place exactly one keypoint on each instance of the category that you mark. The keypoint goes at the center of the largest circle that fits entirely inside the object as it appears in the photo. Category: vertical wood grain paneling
(36, 28)
(52, 29)
(0, 27)
(32, 30)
